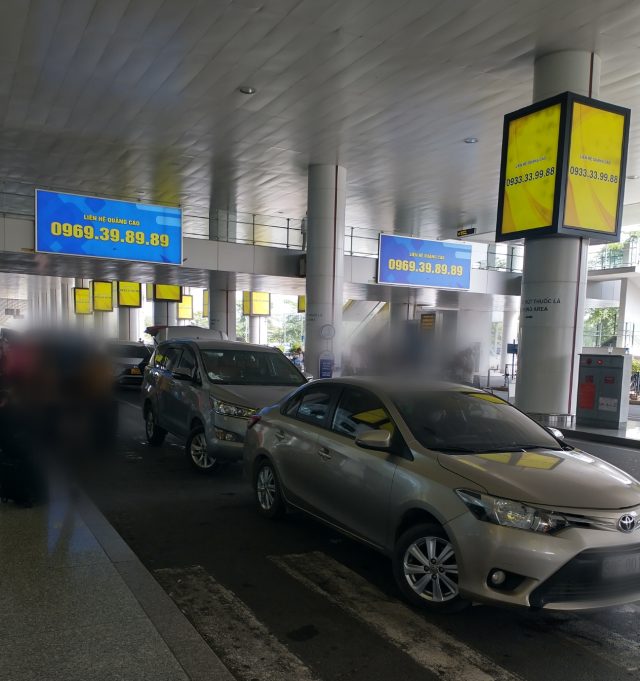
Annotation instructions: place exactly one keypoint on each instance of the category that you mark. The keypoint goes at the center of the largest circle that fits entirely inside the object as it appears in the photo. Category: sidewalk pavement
(77, 605)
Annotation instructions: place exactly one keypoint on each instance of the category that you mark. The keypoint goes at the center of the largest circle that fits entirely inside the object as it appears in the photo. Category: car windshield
(458, 422)
(250, 367)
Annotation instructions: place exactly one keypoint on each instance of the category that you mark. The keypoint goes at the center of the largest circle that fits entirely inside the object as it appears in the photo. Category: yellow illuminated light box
(256, 303)
(562, 169)
(185, 307)
(168, 292)
(129, 294)
(205, 303)
(82, 300)
(302, 304)
(102, 296)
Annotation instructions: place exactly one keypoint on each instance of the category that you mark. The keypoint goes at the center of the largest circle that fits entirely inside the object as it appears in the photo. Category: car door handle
(324, 453)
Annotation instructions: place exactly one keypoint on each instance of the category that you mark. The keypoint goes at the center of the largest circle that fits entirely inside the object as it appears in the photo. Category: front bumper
(561, 572)
(220, 427)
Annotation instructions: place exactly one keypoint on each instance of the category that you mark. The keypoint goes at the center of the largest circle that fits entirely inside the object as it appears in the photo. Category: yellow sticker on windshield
(487, 397)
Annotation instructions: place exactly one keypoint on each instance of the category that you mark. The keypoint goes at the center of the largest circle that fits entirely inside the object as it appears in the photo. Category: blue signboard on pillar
(406, 261)
(70, 224)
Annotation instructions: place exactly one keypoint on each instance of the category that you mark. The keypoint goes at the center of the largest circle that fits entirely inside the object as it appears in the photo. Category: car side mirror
(375, 439)
(558, 434)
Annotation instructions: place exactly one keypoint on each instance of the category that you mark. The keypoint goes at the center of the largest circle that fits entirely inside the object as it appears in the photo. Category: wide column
(555, 275)
(255, 328)
(222, 303)
(325, 266)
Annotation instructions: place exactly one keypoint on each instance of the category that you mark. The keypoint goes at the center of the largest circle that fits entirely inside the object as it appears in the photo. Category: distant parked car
(129, 360)
(472, 499)
(206, 391)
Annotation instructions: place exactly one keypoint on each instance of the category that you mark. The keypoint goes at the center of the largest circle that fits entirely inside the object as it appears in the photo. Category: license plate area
(618, 567)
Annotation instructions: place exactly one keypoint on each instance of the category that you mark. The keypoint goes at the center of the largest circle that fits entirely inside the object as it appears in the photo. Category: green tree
(600, 325)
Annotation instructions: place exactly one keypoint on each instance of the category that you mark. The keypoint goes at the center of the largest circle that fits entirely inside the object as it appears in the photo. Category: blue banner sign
(405, 261)
(69, 224)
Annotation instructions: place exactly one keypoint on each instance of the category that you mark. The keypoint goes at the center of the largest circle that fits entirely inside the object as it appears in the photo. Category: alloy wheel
(266, 488)
(150, 424)
(431, 570)
(200, 452)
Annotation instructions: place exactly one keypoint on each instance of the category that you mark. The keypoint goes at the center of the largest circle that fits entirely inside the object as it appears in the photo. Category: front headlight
(228, 409)
(511, 513)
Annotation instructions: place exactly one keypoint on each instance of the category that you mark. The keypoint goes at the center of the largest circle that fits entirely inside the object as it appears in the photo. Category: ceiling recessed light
(247, 90)
(470, 140)
(633, 177)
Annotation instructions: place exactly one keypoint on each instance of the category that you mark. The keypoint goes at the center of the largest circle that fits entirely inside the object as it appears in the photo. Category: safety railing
(625, 254)
(268, 230)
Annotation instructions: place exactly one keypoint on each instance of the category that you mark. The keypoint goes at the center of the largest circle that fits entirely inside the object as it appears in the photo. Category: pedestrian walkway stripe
(244, 644)
(427, 644)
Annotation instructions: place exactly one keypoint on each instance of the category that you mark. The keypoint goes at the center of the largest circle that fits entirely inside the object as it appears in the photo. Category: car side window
(187, 364)
(170, 358)
(313, 405)
(359, 411)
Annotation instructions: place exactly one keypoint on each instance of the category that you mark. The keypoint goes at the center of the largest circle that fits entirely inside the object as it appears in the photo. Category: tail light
(252, 421)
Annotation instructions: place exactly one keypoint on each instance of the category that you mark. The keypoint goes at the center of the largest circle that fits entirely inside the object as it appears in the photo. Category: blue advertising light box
(69, 224)
(405, 261)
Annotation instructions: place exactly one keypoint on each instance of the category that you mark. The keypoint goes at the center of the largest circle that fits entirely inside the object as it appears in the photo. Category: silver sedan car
(471, 499)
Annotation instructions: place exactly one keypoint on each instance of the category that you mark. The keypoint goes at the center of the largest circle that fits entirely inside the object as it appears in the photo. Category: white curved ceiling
(139, 98)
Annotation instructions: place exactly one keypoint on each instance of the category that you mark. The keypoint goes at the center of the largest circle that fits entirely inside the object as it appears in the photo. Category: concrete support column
(555, 274)
(164, 313)
(474, 335)
(400, 313)
(629, 315)
(254, 329)
(325, 266)
(124, 324)
(65, 302)
(222, 303)
(509, 335)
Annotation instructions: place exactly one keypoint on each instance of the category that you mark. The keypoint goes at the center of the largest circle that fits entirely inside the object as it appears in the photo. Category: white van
(163, 333)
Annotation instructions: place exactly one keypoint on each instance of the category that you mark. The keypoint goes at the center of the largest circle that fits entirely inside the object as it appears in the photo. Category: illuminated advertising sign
(185, 307)
(205, 303)
(405, 261)
(256, 303)
(562, 170)
(102, 296)
(69, 224)
(129, 294)
(169, 292)
(81, 300)
(595, 161)
(530, 182)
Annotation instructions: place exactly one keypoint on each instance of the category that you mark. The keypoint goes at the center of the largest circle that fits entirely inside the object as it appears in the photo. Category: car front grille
(581, 579)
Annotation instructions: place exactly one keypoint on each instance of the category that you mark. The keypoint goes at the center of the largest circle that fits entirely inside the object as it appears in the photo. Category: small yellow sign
(129, 294)
(82, 301)
(102, 296)
(168, 292)
(205, 303)
(302, 304)
(185, 307)
(256, 303)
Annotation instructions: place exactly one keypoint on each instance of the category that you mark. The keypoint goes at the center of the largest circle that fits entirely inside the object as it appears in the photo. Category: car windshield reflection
(460, 422)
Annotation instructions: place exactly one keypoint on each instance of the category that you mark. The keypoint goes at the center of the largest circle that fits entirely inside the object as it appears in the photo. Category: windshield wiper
(461, 450)
(516, 448)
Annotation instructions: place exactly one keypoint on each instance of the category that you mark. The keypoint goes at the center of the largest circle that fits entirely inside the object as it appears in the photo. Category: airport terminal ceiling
(139, 99)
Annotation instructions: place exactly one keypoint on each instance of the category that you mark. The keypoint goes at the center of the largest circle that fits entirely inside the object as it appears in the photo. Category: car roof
(218, 344)
(387, 384)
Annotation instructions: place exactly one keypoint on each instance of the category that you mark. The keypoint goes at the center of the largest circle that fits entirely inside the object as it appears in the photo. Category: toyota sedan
(472, 500)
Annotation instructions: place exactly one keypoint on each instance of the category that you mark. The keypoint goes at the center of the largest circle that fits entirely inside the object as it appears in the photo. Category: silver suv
(205, 392)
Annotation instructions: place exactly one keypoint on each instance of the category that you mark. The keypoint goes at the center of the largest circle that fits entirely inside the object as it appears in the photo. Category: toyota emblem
(626, 523)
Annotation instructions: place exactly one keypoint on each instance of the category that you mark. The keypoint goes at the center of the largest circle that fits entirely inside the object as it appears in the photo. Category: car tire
(155, 434)
(197, 450)
(266, 488)
(426, 570)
